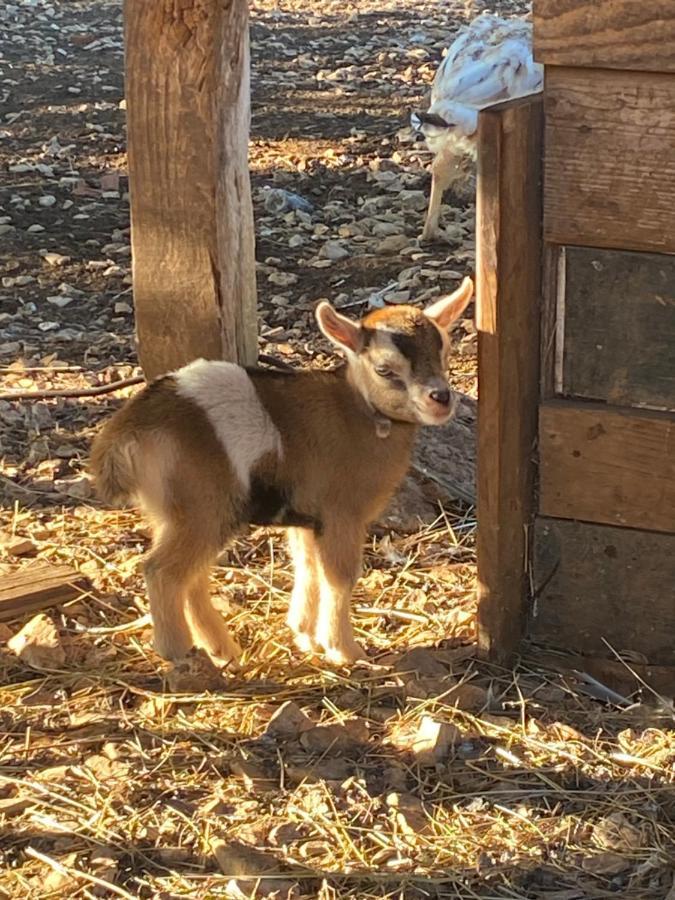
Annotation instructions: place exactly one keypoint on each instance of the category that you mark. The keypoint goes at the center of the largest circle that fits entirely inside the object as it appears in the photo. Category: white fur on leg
(304, 602)
(334, 631)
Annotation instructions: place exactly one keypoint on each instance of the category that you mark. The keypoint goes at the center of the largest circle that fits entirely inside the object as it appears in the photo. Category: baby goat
(212, 447)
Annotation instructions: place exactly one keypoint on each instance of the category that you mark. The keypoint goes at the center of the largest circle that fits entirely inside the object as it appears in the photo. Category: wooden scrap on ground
(37, 587)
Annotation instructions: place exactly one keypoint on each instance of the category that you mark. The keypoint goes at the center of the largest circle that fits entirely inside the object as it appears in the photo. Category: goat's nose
(441, 396)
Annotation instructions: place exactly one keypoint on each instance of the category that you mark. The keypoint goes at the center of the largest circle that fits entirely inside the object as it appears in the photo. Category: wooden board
(595, 583)
(187, 90)
(609, 166)
(610, 34)
(624, 677)
(604, 465)
(37, 587)
(619, 327)
(507, 313)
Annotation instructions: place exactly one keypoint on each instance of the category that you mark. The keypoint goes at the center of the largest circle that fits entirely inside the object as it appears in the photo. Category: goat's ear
(448, 309)
(338, 328)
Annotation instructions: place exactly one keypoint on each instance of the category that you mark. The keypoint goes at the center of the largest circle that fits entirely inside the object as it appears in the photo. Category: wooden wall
(599, 568)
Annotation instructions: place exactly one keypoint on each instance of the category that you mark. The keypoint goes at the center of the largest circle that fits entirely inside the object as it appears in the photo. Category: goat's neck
(381, 423)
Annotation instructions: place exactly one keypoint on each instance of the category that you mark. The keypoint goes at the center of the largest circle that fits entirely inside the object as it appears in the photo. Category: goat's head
(398, 356)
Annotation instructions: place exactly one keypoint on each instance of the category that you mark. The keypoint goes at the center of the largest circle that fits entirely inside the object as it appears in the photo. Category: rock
(288, 722)
(615, 832)
(420, 661)
(385, 229)
(255, 775)
(237, 860)
(296, 240)
(413, 200)
(282, 279)
(55, 259)
(38, 644)
(606, 863)
(409, 813)
(60, 300)
(392, 244)
(78, 486)
(327, 769)
(334, 251)
(13, 545)
(6, 228)
(47, 200)
(430, 743)
(35, 229)
(335, 739)
(470, 697)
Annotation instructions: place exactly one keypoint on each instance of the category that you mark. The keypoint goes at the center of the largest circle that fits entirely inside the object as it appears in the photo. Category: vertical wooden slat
(508, 295)
(187, 89)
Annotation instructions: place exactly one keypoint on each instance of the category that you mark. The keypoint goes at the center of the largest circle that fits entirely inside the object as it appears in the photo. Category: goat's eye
(384, 372)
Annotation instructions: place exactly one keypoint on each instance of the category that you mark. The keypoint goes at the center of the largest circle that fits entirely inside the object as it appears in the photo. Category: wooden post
(187, 89)
(508, 293)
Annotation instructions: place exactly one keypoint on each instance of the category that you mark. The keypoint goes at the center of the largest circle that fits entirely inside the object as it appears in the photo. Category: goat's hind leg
(444, 170)
(168, 571)
(208, 625)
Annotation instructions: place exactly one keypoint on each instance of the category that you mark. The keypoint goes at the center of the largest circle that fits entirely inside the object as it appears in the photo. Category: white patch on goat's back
(227, 395)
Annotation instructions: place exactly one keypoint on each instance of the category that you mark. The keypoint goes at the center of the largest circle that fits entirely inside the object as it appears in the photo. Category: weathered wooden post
(188, 110)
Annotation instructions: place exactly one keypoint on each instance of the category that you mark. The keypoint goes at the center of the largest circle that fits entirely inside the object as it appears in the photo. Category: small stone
(413, 200)
(22, 168)
(55, 259)
(6, 228)
(35, 229)
(469, 697)
(392, 244)
(296, 240)
(47, 200)
(13, 545)
(421, 662)
(289, 722)
(335, 739)
(433, 741)
(283, 279)
(38, 644)
(23, 280)
(123, 308)
(408, 812)
(334, 251)
(78, 486)
(385, 229)
(60, 300)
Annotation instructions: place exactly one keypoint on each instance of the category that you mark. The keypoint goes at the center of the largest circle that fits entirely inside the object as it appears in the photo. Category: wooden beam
(37, 587)
(603, 465)
(187, 90)
(609, 34)
(508, 292)
(609, 173)
(595, 586)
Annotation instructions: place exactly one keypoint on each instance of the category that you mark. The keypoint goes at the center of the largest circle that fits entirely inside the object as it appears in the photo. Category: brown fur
(336, 469)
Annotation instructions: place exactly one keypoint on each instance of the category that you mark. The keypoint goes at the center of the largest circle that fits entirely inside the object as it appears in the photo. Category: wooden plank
(609, 34)
(604, 465)
(624, 677)
(619, 327)
(187, 89)
(596, 584)
(37, 587)
(609, 172)
(507, 313)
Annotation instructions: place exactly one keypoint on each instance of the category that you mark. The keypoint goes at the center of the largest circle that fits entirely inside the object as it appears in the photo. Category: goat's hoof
(226, 653)
(346, 654)
(304, 642)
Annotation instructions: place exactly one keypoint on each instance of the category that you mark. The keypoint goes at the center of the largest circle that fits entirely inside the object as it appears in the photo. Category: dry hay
(108, 771)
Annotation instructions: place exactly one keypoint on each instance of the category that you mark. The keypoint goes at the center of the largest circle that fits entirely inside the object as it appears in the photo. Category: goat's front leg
(340, 549)
(444, 170)
(304, 605)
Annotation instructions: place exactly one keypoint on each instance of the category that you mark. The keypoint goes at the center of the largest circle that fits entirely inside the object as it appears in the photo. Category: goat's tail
(112, 465)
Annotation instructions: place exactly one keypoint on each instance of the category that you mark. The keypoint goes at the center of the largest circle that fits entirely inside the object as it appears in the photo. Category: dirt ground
(425, 774)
